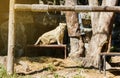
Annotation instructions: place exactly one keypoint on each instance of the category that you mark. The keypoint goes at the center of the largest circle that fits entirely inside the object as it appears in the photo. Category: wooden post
(11, 38)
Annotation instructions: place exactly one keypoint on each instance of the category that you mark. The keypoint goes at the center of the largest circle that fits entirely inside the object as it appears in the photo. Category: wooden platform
(51, 46)
(110, 54)
(103, 56)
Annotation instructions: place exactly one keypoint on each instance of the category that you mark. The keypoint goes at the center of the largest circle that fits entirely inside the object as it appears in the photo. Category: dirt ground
(48, 67)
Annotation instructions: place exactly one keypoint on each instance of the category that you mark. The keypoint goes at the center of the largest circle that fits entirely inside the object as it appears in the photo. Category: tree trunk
(73, 28)
(94, 16)
(76, 43)
(100, 36)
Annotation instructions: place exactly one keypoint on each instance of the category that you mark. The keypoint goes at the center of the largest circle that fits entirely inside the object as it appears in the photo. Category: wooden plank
(11, 39)
(113, 68)
(52, 46)
(104, 55)
(55, 46)
(77, 8)
(111, 54)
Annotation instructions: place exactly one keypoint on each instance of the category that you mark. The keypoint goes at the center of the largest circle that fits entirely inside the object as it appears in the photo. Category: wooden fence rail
(77, 8)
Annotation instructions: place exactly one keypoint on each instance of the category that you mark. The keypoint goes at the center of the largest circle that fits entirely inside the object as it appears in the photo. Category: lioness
(55, 35)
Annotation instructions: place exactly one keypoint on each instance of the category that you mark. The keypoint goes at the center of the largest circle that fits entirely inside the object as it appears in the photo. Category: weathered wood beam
(51, 46)
(77, 8)
(11, 38)
(55, 46)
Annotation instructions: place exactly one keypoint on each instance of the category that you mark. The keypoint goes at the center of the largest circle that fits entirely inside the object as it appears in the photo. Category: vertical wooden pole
(11, 38)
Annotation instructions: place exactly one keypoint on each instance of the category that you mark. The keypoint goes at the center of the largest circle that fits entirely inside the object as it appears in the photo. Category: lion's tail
(38, 41)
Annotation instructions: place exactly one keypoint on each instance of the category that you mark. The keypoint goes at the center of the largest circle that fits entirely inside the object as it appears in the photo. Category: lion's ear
(60, 23)
(63, 24)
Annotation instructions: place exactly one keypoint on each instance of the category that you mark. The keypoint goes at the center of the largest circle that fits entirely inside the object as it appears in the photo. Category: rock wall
(20, 36)
(29, 26)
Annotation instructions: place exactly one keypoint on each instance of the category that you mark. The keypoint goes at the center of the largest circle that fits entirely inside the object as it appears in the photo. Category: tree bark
(76, 43)
(100, 37)
(73, 26)
(94, 16)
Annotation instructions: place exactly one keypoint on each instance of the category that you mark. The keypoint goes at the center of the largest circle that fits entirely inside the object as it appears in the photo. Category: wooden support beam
(52, 46)
(77, 8)
(11, 38)
(104, 55)
(110, 54)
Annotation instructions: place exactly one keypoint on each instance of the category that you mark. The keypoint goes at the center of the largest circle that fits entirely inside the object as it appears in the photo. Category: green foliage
(51, 68)
(78, 76)
(58, 76)
(75, 76)
(3, 74)
(113, 48)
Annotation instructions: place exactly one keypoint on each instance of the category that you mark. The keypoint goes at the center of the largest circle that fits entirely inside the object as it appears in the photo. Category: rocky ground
(48, 67)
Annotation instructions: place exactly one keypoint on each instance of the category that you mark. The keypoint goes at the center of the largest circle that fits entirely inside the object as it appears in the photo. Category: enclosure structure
(103, 56)
(43, 8)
